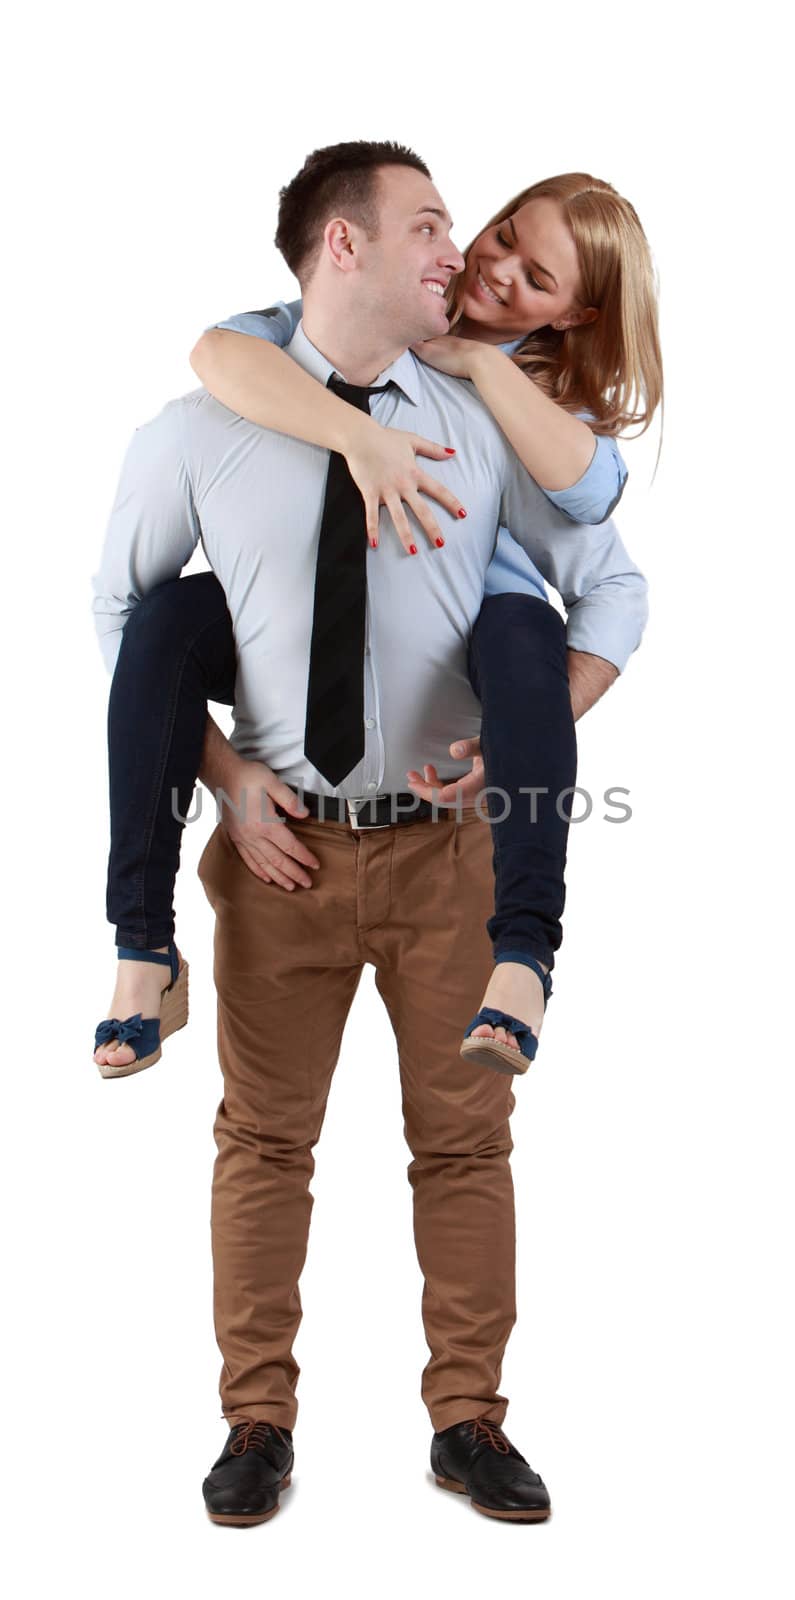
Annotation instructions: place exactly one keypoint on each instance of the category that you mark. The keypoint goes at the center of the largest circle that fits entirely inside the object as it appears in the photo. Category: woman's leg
(519, 671)
(177, 653)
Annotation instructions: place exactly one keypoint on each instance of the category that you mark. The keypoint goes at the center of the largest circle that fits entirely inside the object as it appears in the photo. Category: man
(368, 236)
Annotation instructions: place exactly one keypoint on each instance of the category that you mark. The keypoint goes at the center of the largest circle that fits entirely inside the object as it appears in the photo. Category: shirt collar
(404, 372)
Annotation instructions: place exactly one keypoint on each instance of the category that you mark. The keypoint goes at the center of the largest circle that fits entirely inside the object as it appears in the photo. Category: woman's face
(522, 274)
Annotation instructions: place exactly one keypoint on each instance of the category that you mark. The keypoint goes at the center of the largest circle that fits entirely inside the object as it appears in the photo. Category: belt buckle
(353, 809)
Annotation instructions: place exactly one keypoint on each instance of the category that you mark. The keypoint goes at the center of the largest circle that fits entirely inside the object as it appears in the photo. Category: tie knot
(354, 393)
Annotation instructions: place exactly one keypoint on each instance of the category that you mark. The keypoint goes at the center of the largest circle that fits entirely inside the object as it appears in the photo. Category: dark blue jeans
(178, 652)
(519, 671)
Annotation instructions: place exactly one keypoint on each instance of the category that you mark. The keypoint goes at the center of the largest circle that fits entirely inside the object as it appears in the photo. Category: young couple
(555, 328)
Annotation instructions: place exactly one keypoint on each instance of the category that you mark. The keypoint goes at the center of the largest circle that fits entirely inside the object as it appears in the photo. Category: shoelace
(249, 1435)
(493, 1433)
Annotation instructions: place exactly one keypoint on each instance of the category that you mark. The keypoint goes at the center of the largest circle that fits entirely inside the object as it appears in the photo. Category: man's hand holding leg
(589, 678)
(461, 794)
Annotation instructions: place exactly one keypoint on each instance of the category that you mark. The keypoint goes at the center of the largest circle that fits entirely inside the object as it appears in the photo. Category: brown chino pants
(413, 901)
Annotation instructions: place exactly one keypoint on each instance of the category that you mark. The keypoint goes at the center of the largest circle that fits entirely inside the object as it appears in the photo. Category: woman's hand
(449, 354)
(383, 465)
(261, 838)
(464, 791)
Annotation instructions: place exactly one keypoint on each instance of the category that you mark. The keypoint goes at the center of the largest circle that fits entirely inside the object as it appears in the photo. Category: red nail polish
(448, 451)
(412, 549)
(462, 513)
(439, 543)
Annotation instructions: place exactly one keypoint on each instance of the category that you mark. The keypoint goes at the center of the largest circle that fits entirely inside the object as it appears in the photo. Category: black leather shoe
(475, 1458)
(244, 1485)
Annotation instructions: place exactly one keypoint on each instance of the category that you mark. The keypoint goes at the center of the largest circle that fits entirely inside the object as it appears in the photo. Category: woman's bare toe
(139, 987)
(485, 1031)
(109, 1055)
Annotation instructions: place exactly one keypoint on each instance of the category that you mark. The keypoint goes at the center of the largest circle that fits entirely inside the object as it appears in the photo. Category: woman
(557, 289)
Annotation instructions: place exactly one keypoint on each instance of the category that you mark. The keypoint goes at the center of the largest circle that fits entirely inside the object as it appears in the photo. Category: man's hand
(261, 838)
(589, 678)
(464, 791)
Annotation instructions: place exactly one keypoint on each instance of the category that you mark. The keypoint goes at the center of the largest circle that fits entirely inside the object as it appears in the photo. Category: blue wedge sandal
(145, 1034)
(486, 1052)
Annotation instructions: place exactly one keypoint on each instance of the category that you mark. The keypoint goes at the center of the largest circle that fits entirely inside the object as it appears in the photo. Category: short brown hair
(339, 179)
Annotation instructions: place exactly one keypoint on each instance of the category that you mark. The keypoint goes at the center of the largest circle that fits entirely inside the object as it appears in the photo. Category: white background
(649, 1373)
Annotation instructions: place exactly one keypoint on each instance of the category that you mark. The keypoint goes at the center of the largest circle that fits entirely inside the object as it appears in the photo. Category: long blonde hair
(611, 367)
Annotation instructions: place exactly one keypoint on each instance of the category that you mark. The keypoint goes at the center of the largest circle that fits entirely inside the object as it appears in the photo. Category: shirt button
(369, 722)
(372, 785)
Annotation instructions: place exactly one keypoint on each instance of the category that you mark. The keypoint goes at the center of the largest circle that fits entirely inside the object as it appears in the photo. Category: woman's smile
(483, 289)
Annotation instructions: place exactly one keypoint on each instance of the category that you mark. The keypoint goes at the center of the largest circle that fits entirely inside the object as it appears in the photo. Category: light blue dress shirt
(592, 498)
(254, 498)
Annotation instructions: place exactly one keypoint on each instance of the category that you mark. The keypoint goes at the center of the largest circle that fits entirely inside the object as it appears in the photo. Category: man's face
(406, 270)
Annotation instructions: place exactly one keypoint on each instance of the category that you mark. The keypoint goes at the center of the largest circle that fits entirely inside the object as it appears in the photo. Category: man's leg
(433, 959)
(286, 971)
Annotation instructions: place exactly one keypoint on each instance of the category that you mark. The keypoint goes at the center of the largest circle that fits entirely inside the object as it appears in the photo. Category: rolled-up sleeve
(276, 324)
(604, 592)
(153, 527)
(606, 600)
(596, 494)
